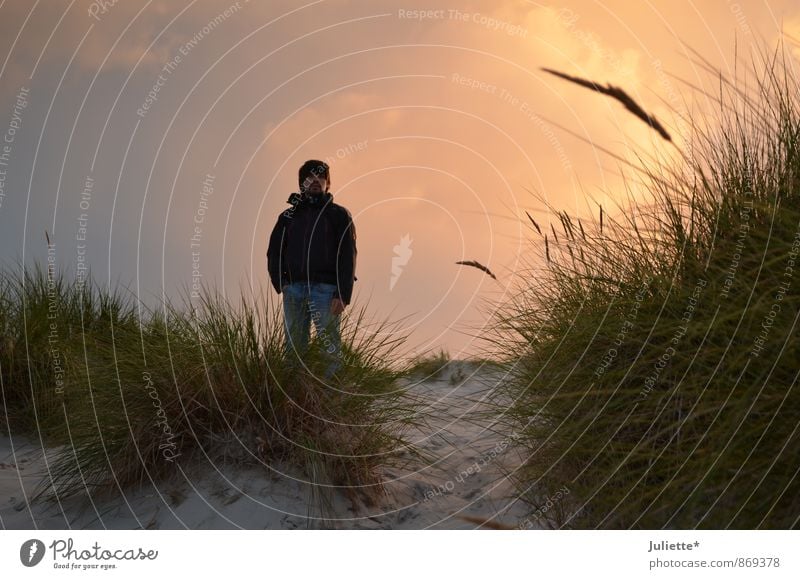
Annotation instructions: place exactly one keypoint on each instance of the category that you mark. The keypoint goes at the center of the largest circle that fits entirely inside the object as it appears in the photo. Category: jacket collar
(321, 200)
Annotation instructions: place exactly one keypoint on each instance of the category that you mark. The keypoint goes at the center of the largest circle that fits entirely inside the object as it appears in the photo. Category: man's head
(314, 177)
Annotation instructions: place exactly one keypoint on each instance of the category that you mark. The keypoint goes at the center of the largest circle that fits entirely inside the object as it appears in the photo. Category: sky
(157, 141)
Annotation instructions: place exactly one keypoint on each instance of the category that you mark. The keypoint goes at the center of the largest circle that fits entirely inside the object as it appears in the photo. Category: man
(311, 261)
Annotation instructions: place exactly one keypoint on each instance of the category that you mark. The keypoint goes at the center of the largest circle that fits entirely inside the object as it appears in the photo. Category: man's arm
(346, 257)
(275, 253)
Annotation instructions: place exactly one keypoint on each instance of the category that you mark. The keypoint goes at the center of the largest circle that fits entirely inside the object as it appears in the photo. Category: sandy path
(464, 475)
(467, 476)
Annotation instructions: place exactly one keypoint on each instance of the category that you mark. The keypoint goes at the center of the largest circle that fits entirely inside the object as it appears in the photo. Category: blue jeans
(304, 303)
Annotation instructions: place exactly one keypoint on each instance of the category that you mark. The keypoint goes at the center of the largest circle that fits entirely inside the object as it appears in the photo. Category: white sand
(464, 476)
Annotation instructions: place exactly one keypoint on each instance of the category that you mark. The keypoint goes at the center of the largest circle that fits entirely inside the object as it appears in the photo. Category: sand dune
(464, 475)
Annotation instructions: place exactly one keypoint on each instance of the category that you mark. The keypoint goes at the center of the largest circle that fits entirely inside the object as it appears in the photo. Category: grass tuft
(125, 394)
(654, 358)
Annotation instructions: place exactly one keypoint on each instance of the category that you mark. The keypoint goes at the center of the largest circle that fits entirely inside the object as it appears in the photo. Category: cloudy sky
(158, 140)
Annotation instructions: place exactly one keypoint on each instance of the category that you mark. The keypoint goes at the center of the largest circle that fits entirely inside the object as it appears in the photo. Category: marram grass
(655, 361)
(127, 395)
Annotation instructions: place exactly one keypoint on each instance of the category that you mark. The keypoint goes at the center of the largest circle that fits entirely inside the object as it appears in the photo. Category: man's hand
(337, 306)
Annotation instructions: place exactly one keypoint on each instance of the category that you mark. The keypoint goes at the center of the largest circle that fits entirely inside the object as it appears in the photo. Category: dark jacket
(314, 241)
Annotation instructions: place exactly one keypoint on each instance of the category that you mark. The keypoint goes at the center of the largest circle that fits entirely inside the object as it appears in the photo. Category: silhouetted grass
(126, 394)
(655, 360)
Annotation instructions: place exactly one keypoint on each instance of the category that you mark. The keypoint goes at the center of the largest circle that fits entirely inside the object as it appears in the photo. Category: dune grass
(127, 395)
(654, 358)
(428, 365)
